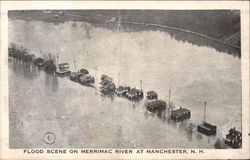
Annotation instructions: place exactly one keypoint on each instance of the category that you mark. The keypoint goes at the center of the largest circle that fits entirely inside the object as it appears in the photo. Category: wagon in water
(134, 94)
(74, 76)
(107, 87)
(63, 70)
(39, 62)
(156, 106)
(151, 95)
(180, 114)
(106, 78)
(84, 71)
(234, 138)
(49, 66)
(122, 90)
(86, 80)
(206, 128)
(64, 66)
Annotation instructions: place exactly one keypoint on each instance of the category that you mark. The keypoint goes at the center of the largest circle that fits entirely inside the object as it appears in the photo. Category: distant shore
(227, 39)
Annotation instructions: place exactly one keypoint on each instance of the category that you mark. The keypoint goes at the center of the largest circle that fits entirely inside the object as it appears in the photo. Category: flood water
(80, 117)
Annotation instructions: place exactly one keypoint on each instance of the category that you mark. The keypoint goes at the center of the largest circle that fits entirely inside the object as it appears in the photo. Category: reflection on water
(128, 123)
(113, 122)
(110, 96)
(26, 71)
(81, 116)
(51, 82)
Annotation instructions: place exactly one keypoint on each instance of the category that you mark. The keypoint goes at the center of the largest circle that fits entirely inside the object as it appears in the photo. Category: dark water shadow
(51, 82)
(23, 70)
(107, 95)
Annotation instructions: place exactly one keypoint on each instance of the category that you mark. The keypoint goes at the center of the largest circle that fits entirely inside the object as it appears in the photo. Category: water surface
(81, 117)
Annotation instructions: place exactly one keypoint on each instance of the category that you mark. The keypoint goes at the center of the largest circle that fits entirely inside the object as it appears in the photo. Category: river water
(80, 117)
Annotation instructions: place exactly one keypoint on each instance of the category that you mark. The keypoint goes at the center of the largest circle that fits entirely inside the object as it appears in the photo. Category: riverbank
(215, 29)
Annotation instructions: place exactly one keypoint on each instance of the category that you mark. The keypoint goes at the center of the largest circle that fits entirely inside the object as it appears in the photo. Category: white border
(7, 153)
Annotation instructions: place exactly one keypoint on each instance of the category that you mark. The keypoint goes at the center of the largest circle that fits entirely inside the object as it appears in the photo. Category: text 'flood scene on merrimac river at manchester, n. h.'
(124, 79)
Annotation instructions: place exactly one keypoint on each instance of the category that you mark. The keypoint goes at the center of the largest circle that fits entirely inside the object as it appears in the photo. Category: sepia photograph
(98, 79)
(125, 78)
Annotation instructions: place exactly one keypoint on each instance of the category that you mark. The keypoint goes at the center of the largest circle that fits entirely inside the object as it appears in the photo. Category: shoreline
(180, 34)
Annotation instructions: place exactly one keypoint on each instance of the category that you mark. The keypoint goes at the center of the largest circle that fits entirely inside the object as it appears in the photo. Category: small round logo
(49, 138)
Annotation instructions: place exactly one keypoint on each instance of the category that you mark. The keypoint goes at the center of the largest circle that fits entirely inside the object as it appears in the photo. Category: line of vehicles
(107, 87)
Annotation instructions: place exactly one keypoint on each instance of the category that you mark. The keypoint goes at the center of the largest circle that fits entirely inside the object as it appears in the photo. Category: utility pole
(57, 60)
(169, 94)
(119, 78)
(141, 84)
(96, 72)
(120, 30)
(119, 26)
(87, 53)
(74, 61)
(205, 111)
(141, 48)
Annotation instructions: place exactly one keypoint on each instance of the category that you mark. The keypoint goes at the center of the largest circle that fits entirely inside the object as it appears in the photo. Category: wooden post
(88, 58)
(205, 111)
(118, 78)
(169, 96)
(141, 48)
(57, 61)
(74, 61)
(141, 84)
(95, 72)
(114, 57)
